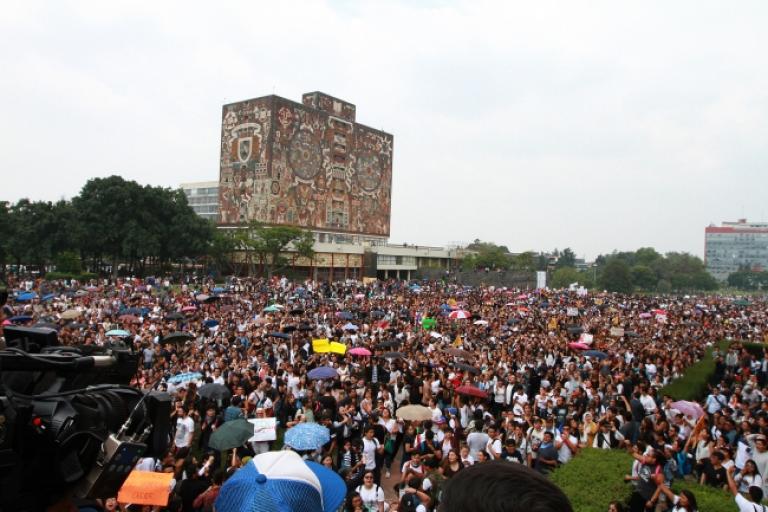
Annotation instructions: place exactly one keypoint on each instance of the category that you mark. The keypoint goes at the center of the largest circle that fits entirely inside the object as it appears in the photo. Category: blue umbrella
(132, 311)
(350, 327)
(218, 289)
(211, 323)
(307, 436)
(323, 372)
(26, 296)
(118, 332)
(185, 377)
(279, 335)
(21, 319)
(48, 296)
(596, 354)
(445, 307)
(345, 315)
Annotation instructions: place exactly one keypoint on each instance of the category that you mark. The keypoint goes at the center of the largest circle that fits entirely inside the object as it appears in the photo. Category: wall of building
(734, 246)
(312, 166)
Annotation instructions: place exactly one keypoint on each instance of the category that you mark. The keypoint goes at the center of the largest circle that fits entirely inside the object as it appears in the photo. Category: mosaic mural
(306, 165)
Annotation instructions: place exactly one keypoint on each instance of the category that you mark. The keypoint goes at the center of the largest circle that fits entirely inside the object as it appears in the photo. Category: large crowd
(530, 377)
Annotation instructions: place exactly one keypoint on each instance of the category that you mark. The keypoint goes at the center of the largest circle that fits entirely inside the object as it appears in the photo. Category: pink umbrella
(578, 346)
(360, 351)
(7, 322)
(645, 315)
(689, 408)
(459, 314)
(189, 308)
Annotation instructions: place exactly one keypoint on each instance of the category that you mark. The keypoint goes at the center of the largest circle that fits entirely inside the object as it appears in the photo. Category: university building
(734, 246)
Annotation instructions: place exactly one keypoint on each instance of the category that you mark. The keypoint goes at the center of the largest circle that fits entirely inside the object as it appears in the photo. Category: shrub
(82, 277)
(594, 478)
(708, 498)
(693, 384)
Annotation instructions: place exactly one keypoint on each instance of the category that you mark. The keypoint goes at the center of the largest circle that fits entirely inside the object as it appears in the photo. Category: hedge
(693, 384)
(708, 498)
(594, 478)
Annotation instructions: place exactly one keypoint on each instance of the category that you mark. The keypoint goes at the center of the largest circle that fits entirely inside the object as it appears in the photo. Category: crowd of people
(529, 377)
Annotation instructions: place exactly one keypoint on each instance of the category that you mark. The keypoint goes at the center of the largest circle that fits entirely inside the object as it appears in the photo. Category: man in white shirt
(185, 429)
(566, 444)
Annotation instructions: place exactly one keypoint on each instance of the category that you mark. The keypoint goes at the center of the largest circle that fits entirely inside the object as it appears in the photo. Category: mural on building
(306, 165)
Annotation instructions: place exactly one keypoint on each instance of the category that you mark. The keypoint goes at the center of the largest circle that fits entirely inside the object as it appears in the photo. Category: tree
(268, 243)
(616, 276)
(524, 261)
(566, 259)
(487, 254)
(565, 276)
(643, 277)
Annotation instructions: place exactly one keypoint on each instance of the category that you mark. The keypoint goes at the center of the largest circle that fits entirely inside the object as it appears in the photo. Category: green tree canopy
(616, 276)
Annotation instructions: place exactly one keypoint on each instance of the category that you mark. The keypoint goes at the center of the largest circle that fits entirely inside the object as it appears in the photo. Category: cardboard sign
(146, 488)
(572, 311)
(337, 348)
(617, 332)
(264, 429)
(321, 346)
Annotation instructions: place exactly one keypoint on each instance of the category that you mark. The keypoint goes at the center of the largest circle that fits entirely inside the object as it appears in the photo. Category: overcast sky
(595, 125)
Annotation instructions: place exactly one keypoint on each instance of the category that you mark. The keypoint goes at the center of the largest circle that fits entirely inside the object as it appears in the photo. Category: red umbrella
(459, 314)
(129, 319)
(189, 308)
(471, 391)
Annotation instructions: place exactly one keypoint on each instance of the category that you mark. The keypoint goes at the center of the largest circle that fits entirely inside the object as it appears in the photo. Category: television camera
(70, 426)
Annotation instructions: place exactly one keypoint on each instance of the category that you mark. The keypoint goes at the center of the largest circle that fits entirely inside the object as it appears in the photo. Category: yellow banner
(321, 346)
(338, 348)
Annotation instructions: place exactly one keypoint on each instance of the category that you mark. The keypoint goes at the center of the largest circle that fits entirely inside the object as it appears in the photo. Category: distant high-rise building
(308, 164)
(734, 246)
(203, 197)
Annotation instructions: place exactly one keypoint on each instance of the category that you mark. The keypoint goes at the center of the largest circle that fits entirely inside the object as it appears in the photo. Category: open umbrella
(271, 309)
(393, 355)
(213, 391)
(360, 351)
(578, 346)
(202, 297)
(188, 309)
(20, 319)
(305, 327)
(596, 354)
(129, 319)
(388, 344)
(174, 316)
(307, 436)
(26, 296)
(481, 322)
(211, 323)
(377, 313)
(466, 367)
(118, 332)
(689, 408)
(574, 330)
(350, 327)
(45, 325)
(70, 314)
(231, 434)
(212, 298)
(218, 289)
(345, 315)
(414, 413)
(185, 377)
(297, 311)
(288, 328)
(459, 352)
(278, 335)
(178, 337)
(47, 297)
(471, 391)
(322, 373)
(459, 314)
(131, 311)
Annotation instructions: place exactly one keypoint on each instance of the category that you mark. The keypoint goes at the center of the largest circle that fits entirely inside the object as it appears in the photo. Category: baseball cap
(282, 482)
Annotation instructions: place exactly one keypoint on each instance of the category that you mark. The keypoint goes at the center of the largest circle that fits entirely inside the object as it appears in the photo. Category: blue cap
(282, 482)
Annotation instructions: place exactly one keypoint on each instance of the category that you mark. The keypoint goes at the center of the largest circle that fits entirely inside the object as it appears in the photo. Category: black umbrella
(297, 311)
(178, 337)
(174, 316)
(212, 298)
(278, 335)
(466, 368)
(388, 344)
(574, 329)
(393, 355)
(213, 391)
(377, 313)
(76, 325)
(289, 328)
(306, 327)
(46, 325)
(513, 321)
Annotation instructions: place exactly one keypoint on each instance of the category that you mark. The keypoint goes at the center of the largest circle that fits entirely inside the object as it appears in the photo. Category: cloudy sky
(595, 125)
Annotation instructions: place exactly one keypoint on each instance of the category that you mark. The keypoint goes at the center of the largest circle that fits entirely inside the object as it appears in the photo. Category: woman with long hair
(748, 477)
(683, 502)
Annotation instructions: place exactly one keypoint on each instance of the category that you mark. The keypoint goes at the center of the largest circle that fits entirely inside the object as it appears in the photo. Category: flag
(457, 342)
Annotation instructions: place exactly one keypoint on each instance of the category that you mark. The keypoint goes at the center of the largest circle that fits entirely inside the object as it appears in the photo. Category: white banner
(264, 429)
(572, 311)
(541, 279)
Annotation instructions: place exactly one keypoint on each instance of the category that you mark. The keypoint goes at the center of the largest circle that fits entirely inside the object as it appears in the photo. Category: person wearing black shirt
(510, 452)
(714, 473)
